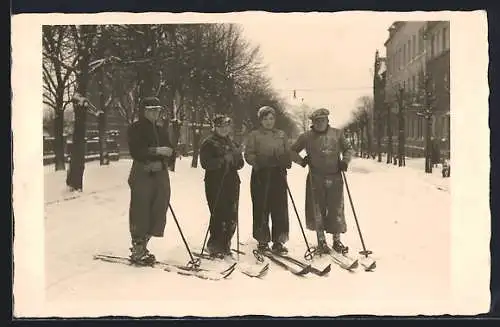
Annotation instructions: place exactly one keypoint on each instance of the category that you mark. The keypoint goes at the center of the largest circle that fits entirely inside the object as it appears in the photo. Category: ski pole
(365, 252)
(310, 250)
(194, 263)
(219, 191)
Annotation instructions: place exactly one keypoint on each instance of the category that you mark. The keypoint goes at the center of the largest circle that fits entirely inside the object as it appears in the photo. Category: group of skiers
(270, 154)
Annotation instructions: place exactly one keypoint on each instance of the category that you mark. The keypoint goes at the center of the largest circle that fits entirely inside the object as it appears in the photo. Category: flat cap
(319, 113)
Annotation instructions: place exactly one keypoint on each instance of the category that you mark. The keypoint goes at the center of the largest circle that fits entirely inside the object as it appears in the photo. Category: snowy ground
(404, 215)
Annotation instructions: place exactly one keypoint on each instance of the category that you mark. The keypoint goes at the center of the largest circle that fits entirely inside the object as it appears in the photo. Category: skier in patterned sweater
(267, 151)
(221, 158)
(149, 182)
(324, 145)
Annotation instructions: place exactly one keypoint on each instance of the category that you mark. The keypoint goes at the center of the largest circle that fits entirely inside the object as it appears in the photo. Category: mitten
(343, 165)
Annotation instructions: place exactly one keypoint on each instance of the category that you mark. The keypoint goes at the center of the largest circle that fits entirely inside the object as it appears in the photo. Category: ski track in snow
(404, 217)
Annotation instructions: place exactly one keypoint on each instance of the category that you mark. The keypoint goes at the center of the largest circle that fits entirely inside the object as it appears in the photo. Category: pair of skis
(188, 270)
(257, 270)
(289, 263)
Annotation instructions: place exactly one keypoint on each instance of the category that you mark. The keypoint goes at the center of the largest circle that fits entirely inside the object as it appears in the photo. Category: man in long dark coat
(221, 158)
(324, 186)
(149, 182)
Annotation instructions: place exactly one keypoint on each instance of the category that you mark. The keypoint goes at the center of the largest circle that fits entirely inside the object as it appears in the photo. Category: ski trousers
(268, 188)
(222, 193)
(149, 199)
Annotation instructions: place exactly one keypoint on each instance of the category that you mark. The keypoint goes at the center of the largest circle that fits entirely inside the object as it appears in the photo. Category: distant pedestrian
(149, 182)
(324, 186)
(221, 158)
(267, 151)
(436, 151)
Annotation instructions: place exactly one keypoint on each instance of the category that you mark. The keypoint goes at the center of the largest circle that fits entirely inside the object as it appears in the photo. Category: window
(404, 55)
(420, 41)
(410, 57)
(433, 49)
(414, 42)
(445, 36)
(413, 85)
(438, 42)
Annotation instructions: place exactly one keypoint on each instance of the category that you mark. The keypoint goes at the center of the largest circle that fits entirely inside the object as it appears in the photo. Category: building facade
(416, 50)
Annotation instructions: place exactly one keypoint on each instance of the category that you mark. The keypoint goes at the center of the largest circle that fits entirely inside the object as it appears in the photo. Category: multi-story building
(416, 49)
(438, 66)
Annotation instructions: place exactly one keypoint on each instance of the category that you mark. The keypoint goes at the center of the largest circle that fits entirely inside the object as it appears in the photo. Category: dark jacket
(142, 135)
(212, 152)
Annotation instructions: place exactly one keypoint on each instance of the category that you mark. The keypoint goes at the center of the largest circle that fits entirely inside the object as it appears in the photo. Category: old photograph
(282, 166)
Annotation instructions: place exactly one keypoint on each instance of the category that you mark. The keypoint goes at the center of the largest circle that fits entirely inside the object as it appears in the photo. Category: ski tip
(354, 265)
(371, 267)
(326, 270)
(304, 271)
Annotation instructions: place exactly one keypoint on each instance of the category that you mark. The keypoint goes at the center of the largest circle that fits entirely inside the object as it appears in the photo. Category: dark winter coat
(222, 186)
(324, 150)
(148, 180)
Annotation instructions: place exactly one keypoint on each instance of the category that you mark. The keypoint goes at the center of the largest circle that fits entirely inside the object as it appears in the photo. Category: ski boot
(140, 255)
(323, 248)
(263, 247)
(216, 253)
(339, 247)
(280, 248)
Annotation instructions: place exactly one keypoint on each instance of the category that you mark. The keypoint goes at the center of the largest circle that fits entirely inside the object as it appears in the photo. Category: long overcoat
(324, 185)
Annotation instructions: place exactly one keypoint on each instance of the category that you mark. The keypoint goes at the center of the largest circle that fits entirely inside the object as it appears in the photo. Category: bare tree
(58, 67)
(83, 37)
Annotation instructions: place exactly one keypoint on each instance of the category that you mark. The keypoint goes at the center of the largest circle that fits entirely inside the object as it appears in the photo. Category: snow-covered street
(404, 216)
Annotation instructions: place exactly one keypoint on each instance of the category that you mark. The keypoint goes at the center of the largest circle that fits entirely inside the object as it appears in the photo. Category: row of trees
(195, 70)
(367, 123)
(359, 127)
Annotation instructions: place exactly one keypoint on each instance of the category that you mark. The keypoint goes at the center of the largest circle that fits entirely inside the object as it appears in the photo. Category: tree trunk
(102, 123)
(59, 140)
(196, 135)
(389, 136)
(74, 178)
(379, 138)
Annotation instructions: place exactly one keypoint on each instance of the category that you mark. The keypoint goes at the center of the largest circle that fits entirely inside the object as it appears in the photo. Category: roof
(395, 27)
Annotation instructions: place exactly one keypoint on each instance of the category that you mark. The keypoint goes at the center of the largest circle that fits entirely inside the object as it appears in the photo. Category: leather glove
(305, 161)
(343, 165)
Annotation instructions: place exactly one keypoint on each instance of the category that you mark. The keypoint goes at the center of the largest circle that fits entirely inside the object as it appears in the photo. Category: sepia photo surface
(250, 164)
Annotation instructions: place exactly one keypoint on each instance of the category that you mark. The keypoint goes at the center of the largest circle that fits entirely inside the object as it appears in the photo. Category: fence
(91, 149)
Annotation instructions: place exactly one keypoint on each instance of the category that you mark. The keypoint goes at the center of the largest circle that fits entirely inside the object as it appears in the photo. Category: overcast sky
(327, 58)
